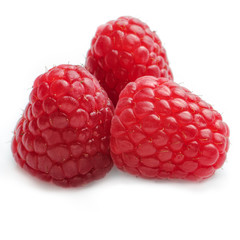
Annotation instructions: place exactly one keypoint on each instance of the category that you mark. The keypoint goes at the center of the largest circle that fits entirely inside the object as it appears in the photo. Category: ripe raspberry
(162, 130)
(63, 134)
(123, 50)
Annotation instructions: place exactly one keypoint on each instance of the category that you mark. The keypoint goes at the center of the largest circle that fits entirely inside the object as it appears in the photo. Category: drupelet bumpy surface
(63, 135)
(123, 50)
(162, 130)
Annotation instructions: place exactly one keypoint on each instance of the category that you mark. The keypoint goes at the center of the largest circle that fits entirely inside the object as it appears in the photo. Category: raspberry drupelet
(161, 130)
(63, 135)
(123, 50)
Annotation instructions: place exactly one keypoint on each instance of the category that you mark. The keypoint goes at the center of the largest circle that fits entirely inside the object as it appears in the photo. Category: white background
(202, 39)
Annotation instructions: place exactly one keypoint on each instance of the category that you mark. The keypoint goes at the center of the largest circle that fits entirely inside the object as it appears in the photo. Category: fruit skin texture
(63, 135)
(161, 130)
(123, 50)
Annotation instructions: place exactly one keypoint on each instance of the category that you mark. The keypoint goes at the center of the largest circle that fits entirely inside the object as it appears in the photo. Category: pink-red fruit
(123, 50)
(162, 130)
(63, 135)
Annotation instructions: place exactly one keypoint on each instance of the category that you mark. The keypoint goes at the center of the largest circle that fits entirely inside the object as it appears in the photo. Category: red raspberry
(162, 130)
(63, 134)
(123, 50)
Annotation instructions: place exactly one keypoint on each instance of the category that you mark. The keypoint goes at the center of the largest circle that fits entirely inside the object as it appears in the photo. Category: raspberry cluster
(70, 133)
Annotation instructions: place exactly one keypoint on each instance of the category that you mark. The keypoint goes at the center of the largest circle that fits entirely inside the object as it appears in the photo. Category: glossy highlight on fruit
(123, 50)
(161, 130)
(63, 135)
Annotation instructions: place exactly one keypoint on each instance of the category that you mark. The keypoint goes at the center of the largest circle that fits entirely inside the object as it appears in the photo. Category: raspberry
(63, 135)
(123, 50)
(162, 130)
